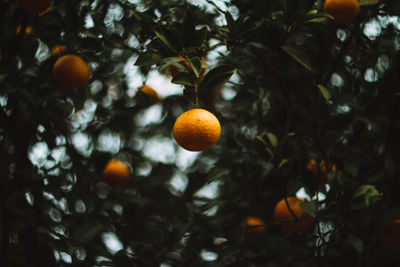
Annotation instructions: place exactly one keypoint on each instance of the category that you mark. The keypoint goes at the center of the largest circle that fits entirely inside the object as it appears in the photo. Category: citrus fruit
(254, 226)
(37, 6)
(116, 172)
(28, 30)
(196, 129)
(343, 11)
(390, 238)
(59, 50)
(320, 172)
(150, 92)
(71, 71)
(285, 219)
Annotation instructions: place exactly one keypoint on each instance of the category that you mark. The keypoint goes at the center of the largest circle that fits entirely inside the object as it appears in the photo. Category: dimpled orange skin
(390, 238)
(116, 173)
(34, 6)
(58, 50)
(343, 11)
(196, 130)
(71, 71)
(285, 219)
(321, 172)
(254, 226)
(150, 92)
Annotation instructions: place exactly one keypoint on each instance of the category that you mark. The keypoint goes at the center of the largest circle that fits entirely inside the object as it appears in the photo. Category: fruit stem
(291, 211)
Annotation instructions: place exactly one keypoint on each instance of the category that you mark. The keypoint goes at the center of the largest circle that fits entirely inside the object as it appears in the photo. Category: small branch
(296, 219)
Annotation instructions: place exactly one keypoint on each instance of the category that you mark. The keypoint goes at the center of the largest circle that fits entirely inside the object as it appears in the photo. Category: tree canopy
(308, 106)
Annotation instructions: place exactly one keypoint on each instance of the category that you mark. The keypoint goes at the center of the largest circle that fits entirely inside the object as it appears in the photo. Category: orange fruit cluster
(320, 171)
(116, 173)
(196, 130)
(343, 11)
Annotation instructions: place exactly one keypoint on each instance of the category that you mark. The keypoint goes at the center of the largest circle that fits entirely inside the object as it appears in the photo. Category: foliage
(294, 87)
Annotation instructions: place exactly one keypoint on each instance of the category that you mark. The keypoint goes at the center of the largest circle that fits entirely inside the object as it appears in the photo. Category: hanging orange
(150, 92)
(71, 71)
(116, 173)
(343, 11)
(285, 219)
(196, 129)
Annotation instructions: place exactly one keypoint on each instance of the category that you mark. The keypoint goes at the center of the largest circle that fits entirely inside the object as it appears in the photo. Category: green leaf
(261, 139)
(216, 78)
(166, 62)
(356, 242)
(368, 2)
(317, 17)
(217, 173)
(184, 78)
(309, 207)
(298, 56)
(325, 93)
(283, 162)
(363, 189)
(272, 138)
(170, 37)
(371, 196)
(195, 65)
(87, 231)
(148, 59)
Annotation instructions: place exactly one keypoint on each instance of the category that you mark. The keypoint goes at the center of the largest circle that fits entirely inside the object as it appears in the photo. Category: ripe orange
(71, 71)
(37, 6)
(287, 221)
(320, 172)
(58, 50)
(254, 226)
(197, 129)
(150, 92)
(116, 173)
(390, 238)
(343, 11)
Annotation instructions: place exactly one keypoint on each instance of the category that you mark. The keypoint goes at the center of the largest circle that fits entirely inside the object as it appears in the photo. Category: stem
(291, 211)
(196, 91)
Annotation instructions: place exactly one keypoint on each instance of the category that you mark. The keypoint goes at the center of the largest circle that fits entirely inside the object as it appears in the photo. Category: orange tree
(289, 85)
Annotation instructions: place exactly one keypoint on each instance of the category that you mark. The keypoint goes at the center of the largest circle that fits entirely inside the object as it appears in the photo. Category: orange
(320, 172)
(116, 172)
(254, 226)
(197, 129)
(150, 92)
(59, 50)
(390, 238)
(28, 30)
(287, 221)
(34, 6)
(343, 11)
(71, 71)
